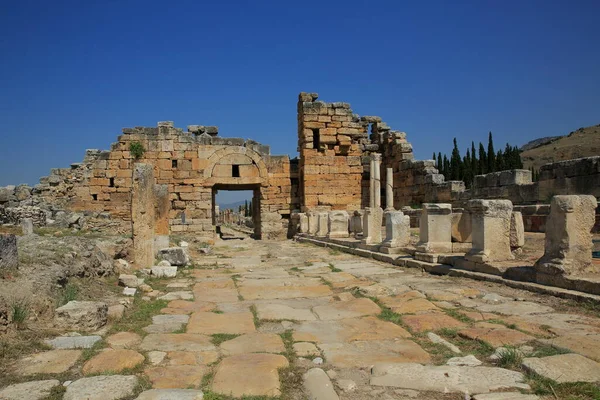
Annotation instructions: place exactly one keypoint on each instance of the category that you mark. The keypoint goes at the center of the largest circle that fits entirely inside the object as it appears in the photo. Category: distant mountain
(233, 206)
(584, 142)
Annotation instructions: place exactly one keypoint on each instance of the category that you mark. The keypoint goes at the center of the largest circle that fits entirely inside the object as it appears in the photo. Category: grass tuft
(333, 268)
(510, 358)
(219, 338)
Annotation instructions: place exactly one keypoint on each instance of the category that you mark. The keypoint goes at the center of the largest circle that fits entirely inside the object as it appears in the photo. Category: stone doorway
(256, 218)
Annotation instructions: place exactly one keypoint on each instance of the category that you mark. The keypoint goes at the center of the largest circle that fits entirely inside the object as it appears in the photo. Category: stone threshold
(578, 289)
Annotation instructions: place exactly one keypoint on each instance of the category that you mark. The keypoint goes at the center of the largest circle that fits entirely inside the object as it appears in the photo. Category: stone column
(372, 183)
(357, 223)
(323, 225)
(338, 224)
(372, 221)
(377, 189)
(303, 222)
(568, 248)
(163, 205)
(142, 215)
(389, 189)
(490, 221)
(397, 231)
(9, 256)
(435, 230)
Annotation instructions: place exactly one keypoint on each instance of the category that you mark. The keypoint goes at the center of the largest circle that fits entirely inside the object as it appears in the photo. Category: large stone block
(356, 223)
(461, 227)
(397, 229)
(517, 230)
(435, 226)
(313, 222)
(568, 247)
(303, 222)
(9, 257)
(491, 230)
(323, 218)
(338, 224)
(82, 315)
(175, 256)
(372, 222)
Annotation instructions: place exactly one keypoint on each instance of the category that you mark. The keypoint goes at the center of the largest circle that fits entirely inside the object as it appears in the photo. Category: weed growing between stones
(87, 354)
(546, 350)
(254, 312)
(458, 315)
(572, 391)
(478, 348)
(69, 293)
(510, 358)
(219, 338)
(138, 316)
(333, 268)
(137, 150)
(19, 309)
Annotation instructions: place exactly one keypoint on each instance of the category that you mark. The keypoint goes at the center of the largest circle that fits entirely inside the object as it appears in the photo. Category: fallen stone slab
(347, 309)
(177, 342)
(505, 396)
(318, 386)
(131, 281)
(283, 312)
(73, 342)
(164, 272)
(209, 323)
(176, 376)
(104, 387)
(175, 256)
(439, 340)
(35, 390)
(112, 361)
(253, 343)
(364, 354)
(171, 394)
(564, 368)
(48, 362)
(249, 375)
(81, 315)
(445, 378)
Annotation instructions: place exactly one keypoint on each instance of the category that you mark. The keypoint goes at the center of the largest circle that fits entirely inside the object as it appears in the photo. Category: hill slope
(584, 142)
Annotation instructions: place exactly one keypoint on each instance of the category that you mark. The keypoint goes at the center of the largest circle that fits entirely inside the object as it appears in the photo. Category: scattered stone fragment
(467, 361)
(209, 323)
(564, 368)
(82, 315)
(171, 394)
(317, 361)
(347, 385)
(49, 362)
(131, 281)
(115, 313)
(123, 340)
(35, 390)
(437, 339)
(103, 387)
(129, 291)
(305, 349)
(164, 263)
(249, 375)
(253, 343)
(156, 357)
(175, 256)
(318, 386)
(112, 361)
(176, 376)
(446, 378)
(73, 342)
(164, 272)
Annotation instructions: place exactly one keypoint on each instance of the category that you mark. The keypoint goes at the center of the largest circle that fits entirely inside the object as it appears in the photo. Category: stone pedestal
(397, 230)
(490, 221)
(461, 227)
(372, 221)
(313, 222)
(323, 226)
(435, 228)
(568, 248)
(338, 224)
(27, 226)
(357, 223)
(303, 223)
(517, 231)
(142, 215)
(9, 257)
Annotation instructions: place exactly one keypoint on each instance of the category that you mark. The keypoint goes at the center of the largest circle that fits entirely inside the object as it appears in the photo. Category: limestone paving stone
(363, 354)
(73, 342)
(348, 330)
(431, 322)
(187, 307)
(318, 386)
(253, 343)
(564, 368)
(446, 379)
(209, 323)
(249, 375)
(179, 295)
(111, 387)
(176, 376)
(505, 396)
(181, 358)
(49, 362)
(284, 292)
(124, 340)
(35, 390)
(347, 309)
(177, 342)
(283, 312)
(306, 349)
(494, 334)
(586, 345)
(112, 361)
(171, 394)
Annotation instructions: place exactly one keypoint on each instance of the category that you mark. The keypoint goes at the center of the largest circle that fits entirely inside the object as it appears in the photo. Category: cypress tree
(491, 155)
(446, 168)
(455, 163)
(440, 165)
(250, 209)
(474, 162)
(468, 172)
(482, 160)
(517, 156)
(500, 166)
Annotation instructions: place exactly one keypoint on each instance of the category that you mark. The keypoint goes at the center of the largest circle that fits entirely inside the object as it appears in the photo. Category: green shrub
(137, 150)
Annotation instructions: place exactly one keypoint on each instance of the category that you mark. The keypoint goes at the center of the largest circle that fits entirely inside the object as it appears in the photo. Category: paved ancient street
(262, 306)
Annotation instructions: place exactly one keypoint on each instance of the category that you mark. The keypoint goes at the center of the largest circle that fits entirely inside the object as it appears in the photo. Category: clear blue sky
(73, 73)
